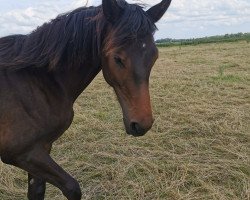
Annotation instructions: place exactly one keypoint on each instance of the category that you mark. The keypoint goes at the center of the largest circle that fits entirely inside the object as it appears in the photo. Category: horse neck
(74, 81)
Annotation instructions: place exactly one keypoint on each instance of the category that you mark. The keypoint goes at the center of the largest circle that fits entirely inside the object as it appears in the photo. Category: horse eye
(118, 61)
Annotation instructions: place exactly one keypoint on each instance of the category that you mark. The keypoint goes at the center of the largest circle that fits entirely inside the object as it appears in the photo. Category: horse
(42, 74)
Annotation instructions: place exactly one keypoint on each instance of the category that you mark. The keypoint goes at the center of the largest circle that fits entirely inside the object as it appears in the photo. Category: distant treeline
(212, 39)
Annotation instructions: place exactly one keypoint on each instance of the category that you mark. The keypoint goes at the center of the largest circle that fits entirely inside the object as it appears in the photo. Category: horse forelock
(133, 25)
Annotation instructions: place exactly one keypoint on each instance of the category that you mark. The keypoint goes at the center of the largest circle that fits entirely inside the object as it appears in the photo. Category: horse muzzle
(138, 129)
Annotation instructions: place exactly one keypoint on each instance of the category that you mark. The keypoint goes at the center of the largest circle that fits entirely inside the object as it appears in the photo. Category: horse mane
(73, 38)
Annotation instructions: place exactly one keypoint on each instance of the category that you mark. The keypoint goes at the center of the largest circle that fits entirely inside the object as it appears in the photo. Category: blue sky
(184, 19)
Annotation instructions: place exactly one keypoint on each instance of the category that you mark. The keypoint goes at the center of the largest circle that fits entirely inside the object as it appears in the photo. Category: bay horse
(43, 73)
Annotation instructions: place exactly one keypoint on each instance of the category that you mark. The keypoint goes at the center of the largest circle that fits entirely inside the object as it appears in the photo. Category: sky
(184, 19)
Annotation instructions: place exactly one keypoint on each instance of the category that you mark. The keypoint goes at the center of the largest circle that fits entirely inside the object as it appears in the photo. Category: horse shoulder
(31, 113)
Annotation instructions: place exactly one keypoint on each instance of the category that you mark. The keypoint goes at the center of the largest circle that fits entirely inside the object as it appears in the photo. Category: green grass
(198, 147)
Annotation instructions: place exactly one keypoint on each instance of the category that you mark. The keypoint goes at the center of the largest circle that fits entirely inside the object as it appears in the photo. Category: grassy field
(198, 148)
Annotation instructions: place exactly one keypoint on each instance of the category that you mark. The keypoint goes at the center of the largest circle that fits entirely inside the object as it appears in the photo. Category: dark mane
(74, 38)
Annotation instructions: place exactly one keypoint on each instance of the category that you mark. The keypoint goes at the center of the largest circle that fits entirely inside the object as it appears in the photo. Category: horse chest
(60, 122)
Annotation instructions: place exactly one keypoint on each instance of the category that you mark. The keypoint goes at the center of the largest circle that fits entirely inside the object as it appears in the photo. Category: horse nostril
(136, 129)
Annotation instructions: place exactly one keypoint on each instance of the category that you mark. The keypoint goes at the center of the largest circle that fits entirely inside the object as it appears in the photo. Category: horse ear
(157, 11)
(111, 10)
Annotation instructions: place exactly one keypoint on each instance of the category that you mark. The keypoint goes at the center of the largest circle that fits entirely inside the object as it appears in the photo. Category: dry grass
(197, 149)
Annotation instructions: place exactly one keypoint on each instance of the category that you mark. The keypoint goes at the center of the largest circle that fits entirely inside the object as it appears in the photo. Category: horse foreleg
(39, 163)
(37, 186)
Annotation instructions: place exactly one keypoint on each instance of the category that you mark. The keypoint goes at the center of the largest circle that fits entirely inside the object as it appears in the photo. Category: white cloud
(185, 18)
(216, 12)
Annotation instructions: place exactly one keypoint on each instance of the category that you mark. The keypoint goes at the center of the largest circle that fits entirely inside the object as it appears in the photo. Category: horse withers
(43, 73)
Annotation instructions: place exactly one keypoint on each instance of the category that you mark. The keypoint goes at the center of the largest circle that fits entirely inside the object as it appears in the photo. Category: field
(198, 148)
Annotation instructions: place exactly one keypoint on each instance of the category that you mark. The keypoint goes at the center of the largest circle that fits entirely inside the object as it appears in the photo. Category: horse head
(128, 55)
